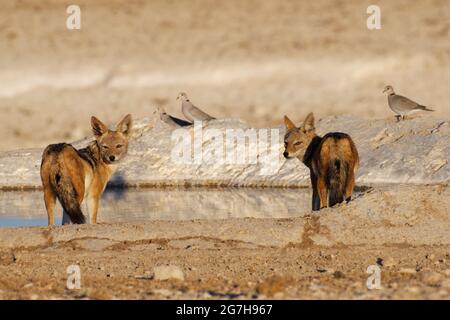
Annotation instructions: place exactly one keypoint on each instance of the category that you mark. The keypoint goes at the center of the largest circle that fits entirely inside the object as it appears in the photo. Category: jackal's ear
(98, 127)
(288, 123)
(308, 125)
(124, 126)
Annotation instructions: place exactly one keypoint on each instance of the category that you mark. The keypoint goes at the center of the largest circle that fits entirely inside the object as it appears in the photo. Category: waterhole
(26, 208)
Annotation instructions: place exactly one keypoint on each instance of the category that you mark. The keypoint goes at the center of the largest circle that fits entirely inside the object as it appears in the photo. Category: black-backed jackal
(332, 160)
(73, 175)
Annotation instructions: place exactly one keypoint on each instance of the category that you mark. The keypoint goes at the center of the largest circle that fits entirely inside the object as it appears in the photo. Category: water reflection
(26, 208)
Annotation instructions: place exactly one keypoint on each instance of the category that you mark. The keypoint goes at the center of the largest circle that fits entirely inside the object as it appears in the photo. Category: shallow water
(26, 208)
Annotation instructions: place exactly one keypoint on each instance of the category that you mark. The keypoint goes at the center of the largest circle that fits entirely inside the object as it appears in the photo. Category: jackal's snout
(286, 155)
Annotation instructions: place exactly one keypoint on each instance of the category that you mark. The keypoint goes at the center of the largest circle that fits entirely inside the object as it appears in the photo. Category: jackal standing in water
(73, 175)
(332, 160)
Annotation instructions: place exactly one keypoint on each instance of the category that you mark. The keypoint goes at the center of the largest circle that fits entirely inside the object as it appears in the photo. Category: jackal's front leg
(93, 208)
(350, 185)
(315, 196)
(322, 189)
(50, 201)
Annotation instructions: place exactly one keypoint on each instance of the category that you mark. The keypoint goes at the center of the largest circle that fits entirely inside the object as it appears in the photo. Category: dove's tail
(426, 108)
(180, 122)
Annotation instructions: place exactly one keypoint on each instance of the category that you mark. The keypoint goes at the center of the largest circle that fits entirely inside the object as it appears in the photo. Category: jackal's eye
(105, 146)
(297, 143)
(119, 146)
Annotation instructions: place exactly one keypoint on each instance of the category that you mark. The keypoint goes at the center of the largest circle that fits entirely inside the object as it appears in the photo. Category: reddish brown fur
(333, 161)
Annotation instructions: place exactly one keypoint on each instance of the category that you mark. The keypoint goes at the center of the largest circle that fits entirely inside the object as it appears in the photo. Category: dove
(191, 112)
(401, 105)
(170, 120)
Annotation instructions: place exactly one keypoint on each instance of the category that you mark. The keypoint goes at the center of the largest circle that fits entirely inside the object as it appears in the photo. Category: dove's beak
(384, 90)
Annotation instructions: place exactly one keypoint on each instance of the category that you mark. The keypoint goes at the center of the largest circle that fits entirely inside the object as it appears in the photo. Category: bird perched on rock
(402, 106)
(170, 120)
(191, 112)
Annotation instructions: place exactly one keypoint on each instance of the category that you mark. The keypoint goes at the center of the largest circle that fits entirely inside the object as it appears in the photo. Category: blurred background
(254, 60)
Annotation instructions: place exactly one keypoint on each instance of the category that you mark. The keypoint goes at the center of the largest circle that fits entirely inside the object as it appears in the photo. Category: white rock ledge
(414, 151)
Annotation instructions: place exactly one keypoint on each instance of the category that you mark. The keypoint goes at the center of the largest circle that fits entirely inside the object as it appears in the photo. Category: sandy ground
(320, 256)
(243, 59)
(229, 271)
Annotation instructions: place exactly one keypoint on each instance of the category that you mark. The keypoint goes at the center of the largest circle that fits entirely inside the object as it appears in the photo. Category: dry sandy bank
(325, 255)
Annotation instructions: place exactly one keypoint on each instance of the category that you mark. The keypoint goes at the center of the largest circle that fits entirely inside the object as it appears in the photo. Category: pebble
(430, 257)
(431, 278)
(278, 295)
(143, 277)
(162, 292)
(414, 289)
(408, 271)
(393, 285)
(390, 262)
(205, 295)
(272, 285)
(7, 258)
(168, 272)
(446, 283)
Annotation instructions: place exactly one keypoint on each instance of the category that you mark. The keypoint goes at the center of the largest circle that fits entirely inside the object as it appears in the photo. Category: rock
(380, 136)
(168, 272)
(431, 278)
(408, 270)
(7, 258)
(446, 283)
(393, 285)
(410, 152)
(94, 244)
(143, 277)
(162, 292)
(414, 290)
(205, 295)
(338, 275)
(279, 295)
(273, 286)
(390, 262)
(430, 257)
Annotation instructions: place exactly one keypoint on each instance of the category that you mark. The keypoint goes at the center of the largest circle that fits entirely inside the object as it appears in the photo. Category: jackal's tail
(337, 177)
(64, 189)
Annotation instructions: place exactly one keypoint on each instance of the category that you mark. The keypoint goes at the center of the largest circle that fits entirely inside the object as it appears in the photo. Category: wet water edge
(26, 208)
